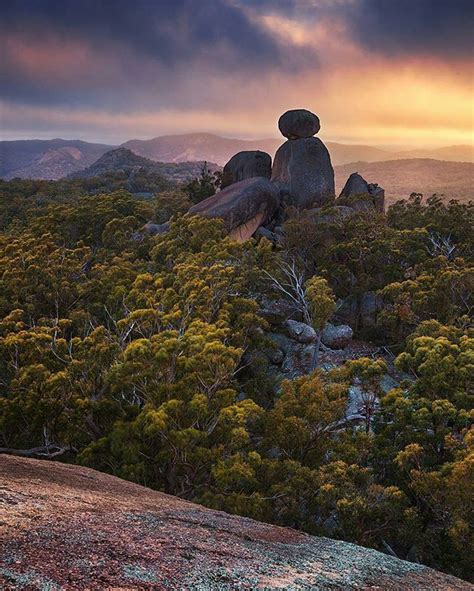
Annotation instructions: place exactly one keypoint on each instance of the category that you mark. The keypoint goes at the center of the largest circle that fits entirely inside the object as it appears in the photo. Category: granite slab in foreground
(65, 527)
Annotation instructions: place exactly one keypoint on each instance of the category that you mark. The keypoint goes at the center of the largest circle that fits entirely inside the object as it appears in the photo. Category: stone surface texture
(361, 195)
(301, 332)
(246, 165)
(65, 527)
(243, 206)
(298, 123)
(302, 169)
(336, 337)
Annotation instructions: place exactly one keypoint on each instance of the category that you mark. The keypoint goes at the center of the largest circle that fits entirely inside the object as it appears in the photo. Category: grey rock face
(361, 312)
(299, 361)
(298, 123)
(298, 358)
(336, 337)
(361, 195)
(244, 206)
(246, 165)
(301, 332)
(265, 233)
(302, 168)
(277, 311)
(355, 185)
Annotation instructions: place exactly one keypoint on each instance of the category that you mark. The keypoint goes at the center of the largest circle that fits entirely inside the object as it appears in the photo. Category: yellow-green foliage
(132, 352)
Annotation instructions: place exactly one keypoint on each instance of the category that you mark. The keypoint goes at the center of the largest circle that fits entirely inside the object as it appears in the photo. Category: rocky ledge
(69, 527)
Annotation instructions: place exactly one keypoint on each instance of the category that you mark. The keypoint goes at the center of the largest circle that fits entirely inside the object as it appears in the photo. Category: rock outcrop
(301, 332)
(298, 123)
(244, 206)
(303, 171)
(302, 166)
(336, 337)
(246, 165)
(360, 312)
(361, 195)
(66, 527)
(302, 175)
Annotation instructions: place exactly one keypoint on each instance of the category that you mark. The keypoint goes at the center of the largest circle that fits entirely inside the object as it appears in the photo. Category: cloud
(111, 53)
(232, 66)
(168, 31)
(432, 28)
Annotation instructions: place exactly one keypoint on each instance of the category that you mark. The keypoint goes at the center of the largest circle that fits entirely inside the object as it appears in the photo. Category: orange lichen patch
(66, 527)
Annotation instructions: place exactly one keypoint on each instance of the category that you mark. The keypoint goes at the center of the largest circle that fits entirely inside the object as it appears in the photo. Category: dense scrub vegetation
(128, 353)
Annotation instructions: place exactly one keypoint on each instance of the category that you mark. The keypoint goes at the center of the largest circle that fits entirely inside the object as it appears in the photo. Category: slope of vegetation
(130, 353)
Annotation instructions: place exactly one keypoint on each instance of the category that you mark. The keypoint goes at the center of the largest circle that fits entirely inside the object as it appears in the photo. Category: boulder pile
(302, 175)
(254, 193)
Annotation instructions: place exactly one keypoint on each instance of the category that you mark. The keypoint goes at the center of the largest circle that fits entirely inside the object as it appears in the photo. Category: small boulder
(298, 123)
(275, 356)
(301, 332)
(246, 165)
(361, 195)
(336, 337)
(355, 185)
(302, 168)
(244, 206)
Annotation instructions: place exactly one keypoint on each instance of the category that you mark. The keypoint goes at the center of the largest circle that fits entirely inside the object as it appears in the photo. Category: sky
(377, 72)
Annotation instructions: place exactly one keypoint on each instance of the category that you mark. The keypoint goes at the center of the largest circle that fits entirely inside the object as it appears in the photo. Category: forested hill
(54, 159)
(317, 375)
(121, 160)
(47, 159)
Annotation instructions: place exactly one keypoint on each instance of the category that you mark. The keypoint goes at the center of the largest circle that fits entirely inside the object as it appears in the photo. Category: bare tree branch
(45, 451)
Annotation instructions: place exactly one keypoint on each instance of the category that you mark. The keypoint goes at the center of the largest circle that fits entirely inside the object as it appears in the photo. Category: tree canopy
(129, 353)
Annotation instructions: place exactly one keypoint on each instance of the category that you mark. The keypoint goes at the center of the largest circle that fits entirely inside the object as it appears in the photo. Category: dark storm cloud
(169, 31)
(137, 54)
(440, 28)
(443, 28)
(153, 44)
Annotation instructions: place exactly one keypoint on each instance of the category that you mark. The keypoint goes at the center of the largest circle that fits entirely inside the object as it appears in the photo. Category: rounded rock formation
(298, 123)
(246, 165)
(301, 332)
(361, 195)
(302, 168)
(336, 337)
(244, 206)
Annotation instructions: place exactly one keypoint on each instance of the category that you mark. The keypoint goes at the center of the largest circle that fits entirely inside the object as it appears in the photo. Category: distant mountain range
(197, 146)
(206, 146)
(53, 159)
(47, 159)
(125, 161)
(178, 158)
